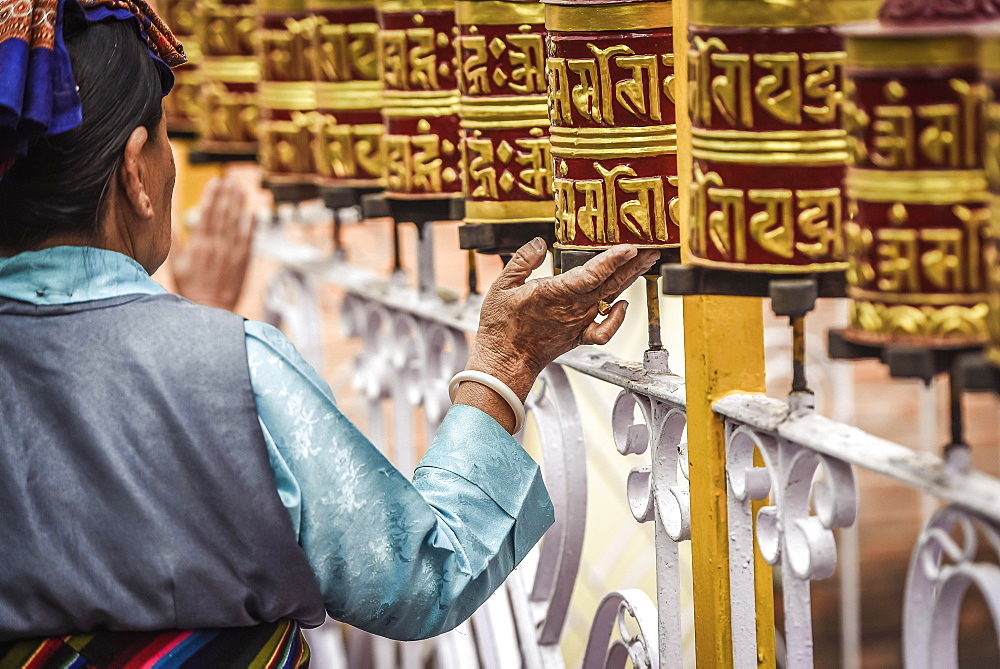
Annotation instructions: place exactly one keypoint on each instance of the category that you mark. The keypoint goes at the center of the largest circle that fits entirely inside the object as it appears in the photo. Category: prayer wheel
(181, 105)
(917, 187)
(506, 158)
(286, 98)
(347, 129)
(613, 127)
(768, 144)
(989, 59)
(229, 74)
(420, 99)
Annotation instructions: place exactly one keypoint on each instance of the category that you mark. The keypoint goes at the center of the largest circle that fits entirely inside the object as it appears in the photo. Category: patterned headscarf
(38, 95)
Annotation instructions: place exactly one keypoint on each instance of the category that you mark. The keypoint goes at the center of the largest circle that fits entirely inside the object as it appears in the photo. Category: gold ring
(603, 308)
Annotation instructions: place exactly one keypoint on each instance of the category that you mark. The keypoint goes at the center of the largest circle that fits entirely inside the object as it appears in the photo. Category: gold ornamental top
(317, 5)
(772, 14)
(874, 45)
(281, 6)
(498, 12)
(561, 16)
(417, 6)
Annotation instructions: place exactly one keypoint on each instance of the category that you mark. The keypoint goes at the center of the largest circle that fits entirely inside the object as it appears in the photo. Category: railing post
(724, 353)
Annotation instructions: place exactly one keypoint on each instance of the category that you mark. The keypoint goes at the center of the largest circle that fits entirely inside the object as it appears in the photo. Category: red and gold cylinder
(917, 187)
(420, 99)
(768, 144)
(347, 128)
(229, 74)
(287, 93)
(506, 157)
(613, 127)
(181, 106)
(989, 68)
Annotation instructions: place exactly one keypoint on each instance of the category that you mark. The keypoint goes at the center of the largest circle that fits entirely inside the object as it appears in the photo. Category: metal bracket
(792, 295)
(904, 362)
(291, 192)
(342, 197)
(503, 238)
(978, 374)
(374, 205)
(426, 210)
(205, 157)
(567, 259)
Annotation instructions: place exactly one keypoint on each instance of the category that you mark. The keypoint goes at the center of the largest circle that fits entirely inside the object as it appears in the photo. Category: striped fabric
(279, 645)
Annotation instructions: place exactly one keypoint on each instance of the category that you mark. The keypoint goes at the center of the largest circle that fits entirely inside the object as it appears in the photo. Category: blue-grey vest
(135, 489)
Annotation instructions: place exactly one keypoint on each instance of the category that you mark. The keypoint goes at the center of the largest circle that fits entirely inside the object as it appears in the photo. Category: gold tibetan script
(945, 135)
(792, 87)
(591, 85)
(599, 213)
(786, 221)
(528, 169)
(409, 58)
(525, 53)
(345, 52)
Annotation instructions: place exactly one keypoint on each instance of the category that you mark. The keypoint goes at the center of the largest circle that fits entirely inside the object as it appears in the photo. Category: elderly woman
(177, 486)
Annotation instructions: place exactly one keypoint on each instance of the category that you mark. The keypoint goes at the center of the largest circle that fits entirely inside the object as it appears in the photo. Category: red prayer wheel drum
(989, 59)
(614, 132)
(287, 93)
(917, 187)
(506, 158)
(181, 105)
(347, 129)
(768, 144)
(420, 99)
(230, 71)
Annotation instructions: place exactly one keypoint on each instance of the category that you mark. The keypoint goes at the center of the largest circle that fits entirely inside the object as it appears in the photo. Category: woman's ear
(132, 175)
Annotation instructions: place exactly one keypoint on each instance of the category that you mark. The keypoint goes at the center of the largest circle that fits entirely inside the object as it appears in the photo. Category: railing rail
(797, 465)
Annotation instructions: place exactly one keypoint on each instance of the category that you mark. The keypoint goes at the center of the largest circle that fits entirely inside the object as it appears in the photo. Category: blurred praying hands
(210, 266)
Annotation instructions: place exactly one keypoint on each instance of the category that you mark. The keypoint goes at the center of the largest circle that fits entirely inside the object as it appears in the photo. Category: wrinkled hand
(526, 325)
(211, 268)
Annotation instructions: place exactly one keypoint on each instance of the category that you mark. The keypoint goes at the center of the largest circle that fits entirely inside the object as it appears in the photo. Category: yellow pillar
(191, 180)
(724, 353)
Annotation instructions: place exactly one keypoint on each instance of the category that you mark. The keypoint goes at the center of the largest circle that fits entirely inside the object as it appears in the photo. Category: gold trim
(917, 299)
(281, 6)
(349, 95)
(287, 95)
(793, 147)
(575, 247)
(319, 5)
(440, 195)
(917, 186)
(232, 69)
(414, 6)
(419, 97)
(609, 153)
(493, 212)
(505, 125)
(666, 130)
(767, 267)
(525, 109)
(889, 51)
(989, 54)
(827, 158)
(611, 17)
(647, 141)
(498, 12)
(770, 135)
(793, 13)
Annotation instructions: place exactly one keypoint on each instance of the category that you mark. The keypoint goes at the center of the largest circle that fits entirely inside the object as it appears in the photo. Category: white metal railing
(409, 351)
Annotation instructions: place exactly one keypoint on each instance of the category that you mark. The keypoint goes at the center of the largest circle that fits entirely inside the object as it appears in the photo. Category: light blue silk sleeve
(405, 560)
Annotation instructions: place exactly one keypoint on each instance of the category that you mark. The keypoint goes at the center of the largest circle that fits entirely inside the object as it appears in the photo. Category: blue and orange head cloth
(38, 95)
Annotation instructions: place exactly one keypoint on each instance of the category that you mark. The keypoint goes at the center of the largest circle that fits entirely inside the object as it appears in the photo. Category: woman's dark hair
(60, 185)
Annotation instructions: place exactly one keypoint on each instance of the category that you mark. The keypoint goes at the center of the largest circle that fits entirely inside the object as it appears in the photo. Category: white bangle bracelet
(495, 384)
